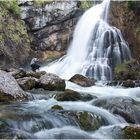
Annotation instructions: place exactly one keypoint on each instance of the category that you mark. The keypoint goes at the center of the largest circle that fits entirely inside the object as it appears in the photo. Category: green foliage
(14, 7)
(127, 70)
(84, 4)
(121, 68)
(134, 5)
(137, 30)
(11, 5)
(41, 2)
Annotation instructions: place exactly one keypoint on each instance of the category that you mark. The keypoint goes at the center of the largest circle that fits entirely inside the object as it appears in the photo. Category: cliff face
(50, 25)
(14, 40)
(127, 20)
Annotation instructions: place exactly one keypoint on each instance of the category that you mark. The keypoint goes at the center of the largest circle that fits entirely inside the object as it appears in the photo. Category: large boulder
(68, 95)
(82, 80)
(9, 88)
(51, 82)
(27, 83)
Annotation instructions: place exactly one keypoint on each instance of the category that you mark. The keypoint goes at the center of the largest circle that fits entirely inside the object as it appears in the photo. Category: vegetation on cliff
(134, 5)
(14, 40)
(128, 70)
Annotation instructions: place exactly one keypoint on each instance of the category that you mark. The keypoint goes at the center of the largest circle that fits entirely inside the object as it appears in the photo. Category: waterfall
(96, 48)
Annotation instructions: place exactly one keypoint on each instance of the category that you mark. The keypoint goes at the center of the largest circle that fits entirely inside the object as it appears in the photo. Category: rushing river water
(36, 119)
(110, 108)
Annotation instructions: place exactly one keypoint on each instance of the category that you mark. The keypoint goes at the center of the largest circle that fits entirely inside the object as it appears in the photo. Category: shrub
(134, 5)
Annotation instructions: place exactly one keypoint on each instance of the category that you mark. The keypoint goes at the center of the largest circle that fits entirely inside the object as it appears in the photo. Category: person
(34, 65)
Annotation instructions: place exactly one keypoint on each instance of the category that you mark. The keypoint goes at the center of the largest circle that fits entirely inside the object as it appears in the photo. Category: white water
(89, 56)
(95, 49)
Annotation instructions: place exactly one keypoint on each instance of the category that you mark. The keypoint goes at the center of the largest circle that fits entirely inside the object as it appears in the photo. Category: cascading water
(96, 48)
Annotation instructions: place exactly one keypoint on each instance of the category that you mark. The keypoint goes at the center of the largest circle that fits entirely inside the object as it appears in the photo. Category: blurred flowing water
(96, 49)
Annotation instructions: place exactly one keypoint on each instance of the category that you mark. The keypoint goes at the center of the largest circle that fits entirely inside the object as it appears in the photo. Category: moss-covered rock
(57, 107)
(132, 132)
(68, 95)
(17, 73)
(35, 74)
(82, 80)
(87, 121)
(27, 83)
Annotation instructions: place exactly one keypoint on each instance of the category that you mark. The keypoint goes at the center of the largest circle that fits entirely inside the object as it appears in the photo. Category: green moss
(121, 68)
(132, 132)
(57, 107)
(88, 121)
(127, 70)
(137, 30)
(12, 6)
(41, 2)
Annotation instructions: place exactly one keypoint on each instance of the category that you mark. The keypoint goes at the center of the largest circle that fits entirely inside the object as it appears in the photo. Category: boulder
(9, 88)
(35, 74)
(125, 107)
(82, 80)
(68, 95)
(128, 83)
(17, 73)
(51, 82)
(86, 120)
(27, 83)
(132, 132)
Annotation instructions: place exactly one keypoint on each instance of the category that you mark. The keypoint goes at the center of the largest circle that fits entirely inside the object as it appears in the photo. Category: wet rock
(132, 132)
(68, 95)
(17, 73)
(82, 80)
(35, 74)
(9, 88)
(51, 82)
(57, 107)
(128, 83)
(27, 83)
(125, 107)
(87, 121)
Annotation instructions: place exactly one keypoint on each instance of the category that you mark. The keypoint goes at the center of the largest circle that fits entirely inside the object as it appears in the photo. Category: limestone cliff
(50, 24)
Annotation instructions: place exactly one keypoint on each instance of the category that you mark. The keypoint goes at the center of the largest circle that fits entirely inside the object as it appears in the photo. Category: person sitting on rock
(34, 65)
